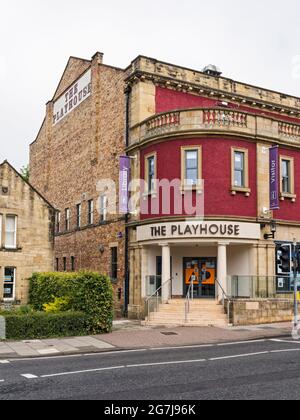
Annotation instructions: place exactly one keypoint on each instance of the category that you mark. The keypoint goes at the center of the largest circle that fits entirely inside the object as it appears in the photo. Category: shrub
(40, 325)
(59, 305)
(26, 309)
(86, 292)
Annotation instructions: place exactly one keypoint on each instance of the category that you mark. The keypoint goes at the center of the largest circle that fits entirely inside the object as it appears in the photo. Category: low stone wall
(261, 311)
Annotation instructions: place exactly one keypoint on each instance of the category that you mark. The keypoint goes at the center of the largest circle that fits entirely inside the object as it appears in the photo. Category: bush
(59, 305)
(86, 292)
(40, 325)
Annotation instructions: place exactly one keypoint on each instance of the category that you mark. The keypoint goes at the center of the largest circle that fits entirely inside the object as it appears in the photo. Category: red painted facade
(290, 211)
(216, 164)
(169, 100)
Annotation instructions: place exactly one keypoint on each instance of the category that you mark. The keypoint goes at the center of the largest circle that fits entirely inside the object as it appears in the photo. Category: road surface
(265, 369)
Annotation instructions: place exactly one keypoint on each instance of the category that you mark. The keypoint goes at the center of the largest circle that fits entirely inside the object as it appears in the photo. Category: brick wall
(69, 159)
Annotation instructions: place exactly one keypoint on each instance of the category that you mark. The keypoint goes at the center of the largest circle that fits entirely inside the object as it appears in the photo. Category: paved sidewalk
(131, 335)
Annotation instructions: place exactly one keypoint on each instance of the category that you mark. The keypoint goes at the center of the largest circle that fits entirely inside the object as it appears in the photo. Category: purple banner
(274, 178)
(124, 184)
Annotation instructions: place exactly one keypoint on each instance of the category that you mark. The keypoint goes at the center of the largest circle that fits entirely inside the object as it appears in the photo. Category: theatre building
(199, 145)
(213, 136)
(76, 149)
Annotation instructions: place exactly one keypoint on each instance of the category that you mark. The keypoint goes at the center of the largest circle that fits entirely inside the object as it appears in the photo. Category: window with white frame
(9, 283)
(67, 219)
(103, 208)
(191, 167)
(11, 232)
(150, 173)
(90, 212)
(58, 219)
(240, 171)
(78, 215)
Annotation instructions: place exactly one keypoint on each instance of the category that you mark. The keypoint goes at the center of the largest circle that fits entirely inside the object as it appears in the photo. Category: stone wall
(264, 311)
(35, 224)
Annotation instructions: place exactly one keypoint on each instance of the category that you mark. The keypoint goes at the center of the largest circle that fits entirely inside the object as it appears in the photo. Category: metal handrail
(224, 295)
(189, 297)
(156, 295)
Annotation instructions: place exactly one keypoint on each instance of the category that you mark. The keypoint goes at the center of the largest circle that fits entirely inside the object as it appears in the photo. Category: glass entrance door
(202, 272)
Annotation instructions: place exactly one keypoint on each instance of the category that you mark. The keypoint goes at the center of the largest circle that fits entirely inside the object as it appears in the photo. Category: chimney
(98, 57)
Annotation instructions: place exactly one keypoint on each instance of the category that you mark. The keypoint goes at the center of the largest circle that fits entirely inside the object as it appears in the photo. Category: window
(11, 232)
(286, 176)
(67, 219)
(90, 212)
(65, 263)
(9, 283)
(150, 173)
(191, 167)
(78, 216)
(287, 187)
(58, 219)
(114, 263)
(72, 263)
(103, 208)
(57, 264)
(240, 171)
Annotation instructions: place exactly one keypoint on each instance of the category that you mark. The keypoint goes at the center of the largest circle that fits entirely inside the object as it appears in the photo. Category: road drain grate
(169, 333)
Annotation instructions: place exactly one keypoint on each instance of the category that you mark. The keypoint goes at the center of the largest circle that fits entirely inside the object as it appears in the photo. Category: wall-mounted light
(102, 248)
(273, 229)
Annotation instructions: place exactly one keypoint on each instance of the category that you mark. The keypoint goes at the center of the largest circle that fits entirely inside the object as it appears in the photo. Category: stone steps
(202, 313)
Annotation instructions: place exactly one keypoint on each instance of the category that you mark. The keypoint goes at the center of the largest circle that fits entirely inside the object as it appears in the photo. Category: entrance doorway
(202, 272)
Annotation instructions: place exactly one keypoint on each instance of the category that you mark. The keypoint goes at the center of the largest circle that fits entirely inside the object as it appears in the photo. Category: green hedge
(88, 292)
(40, 325)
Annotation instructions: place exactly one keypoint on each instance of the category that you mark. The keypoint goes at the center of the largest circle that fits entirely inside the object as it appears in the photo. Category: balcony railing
(215, 120)
(261, 287)
(165, 120)
(221, 118)
(289, 130)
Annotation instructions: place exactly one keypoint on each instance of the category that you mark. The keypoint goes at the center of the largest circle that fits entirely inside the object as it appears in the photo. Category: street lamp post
(295, 269)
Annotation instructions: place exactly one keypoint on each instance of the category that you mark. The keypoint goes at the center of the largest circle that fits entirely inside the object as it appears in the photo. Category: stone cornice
(273, 101)
(199, 122)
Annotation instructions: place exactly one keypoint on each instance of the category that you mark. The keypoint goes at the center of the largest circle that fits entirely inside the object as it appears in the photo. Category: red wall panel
(168, 100)
(216, 159)
(289, 210)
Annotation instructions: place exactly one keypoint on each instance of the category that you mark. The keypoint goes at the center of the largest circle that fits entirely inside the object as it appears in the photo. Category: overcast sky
(256, 42)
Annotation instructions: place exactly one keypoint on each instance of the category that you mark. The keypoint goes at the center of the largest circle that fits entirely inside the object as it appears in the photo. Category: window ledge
(148, 194)
(287, 196)
(188, 188)
(5, 249)
(236, 190)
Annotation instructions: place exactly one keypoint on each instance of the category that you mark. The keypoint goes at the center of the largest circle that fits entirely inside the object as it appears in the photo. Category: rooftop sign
(74, 96)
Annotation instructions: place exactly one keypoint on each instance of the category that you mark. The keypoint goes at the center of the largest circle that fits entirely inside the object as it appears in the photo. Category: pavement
(128, 335)
(266, 369)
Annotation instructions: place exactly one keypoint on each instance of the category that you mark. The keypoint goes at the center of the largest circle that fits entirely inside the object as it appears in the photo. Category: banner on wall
(124, 184)
(274, 178)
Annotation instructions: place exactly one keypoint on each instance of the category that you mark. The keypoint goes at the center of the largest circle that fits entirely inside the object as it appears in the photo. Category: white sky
(255, 42)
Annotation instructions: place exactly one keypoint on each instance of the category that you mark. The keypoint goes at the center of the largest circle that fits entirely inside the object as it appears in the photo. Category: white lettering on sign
(199, 230)
(74, 96)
